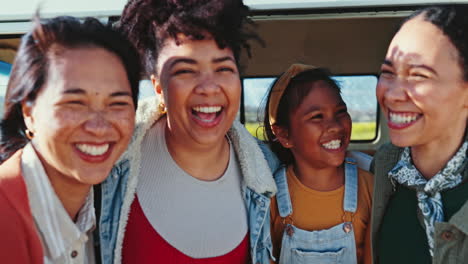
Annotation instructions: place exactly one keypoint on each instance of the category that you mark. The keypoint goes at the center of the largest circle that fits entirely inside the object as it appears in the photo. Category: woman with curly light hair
(194, 185)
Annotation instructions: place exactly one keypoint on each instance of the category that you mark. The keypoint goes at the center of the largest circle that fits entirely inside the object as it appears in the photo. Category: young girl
(321, 213)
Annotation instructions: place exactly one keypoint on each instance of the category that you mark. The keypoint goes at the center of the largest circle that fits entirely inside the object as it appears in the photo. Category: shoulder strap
(351, 186)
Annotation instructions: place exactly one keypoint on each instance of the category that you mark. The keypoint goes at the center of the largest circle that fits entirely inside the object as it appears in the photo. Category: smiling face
(201, 89)
(420, 89)
(83, 117)
(319, 129)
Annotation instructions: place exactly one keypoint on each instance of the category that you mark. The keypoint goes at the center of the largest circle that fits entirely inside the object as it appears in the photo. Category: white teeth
(334, 144)
(402, 119)
(207, 109)
(93, 150)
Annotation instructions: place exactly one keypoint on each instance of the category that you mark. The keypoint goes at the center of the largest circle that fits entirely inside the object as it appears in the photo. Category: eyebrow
(222, 59)
(81, 91)
(424, 67)
(192, 61)
(182, 60)
(74, 91)
(121, 94)
(311, 109)
(389, 63)
(314, 108)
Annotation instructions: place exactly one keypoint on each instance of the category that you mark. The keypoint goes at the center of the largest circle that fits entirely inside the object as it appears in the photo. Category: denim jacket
(118, 191)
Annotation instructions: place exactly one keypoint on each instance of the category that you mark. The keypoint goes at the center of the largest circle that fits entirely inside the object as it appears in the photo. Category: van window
(5, 69)
(146, 89)
(358, 91)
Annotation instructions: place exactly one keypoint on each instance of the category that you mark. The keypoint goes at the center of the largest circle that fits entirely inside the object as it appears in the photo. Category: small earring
(29, 134)
(162, 108)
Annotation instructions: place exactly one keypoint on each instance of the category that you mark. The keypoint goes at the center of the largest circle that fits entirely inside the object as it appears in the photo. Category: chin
(336, 162)
(211, 138)
(94, 177)
(401, 140)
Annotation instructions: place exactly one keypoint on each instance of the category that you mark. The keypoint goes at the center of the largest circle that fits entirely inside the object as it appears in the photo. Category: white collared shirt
(63, 240)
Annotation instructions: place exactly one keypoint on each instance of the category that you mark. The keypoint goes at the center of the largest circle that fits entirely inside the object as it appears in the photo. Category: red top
(19, 240)
(142, 244)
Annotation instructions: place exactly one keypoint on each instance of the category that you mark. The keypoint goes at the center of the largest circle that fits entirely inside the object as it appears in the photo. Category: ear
(26, 109)
(159, 93)
(465, 105)
(282, 134)
(156, 84)
(157, 87)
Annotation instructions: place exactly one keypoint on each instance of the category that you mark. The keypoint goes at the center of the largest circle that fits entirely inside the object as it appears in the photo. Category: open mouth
(332, 144)
(93, 152)
(402, 120)
(207, 115)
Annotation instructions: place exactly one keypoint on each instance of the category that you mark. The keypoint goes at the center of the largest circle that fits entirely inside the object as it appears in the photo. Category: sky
(23, 9)
(5, 69)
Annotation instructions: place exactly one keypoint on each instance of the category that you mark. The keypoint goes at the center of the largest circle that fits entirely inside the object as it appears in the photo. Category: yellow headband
(278, 89)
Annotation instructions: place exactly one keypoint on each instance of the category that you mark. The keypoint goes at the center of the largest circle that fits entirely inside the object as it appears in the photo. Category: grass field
(361, 130)
(254, 129)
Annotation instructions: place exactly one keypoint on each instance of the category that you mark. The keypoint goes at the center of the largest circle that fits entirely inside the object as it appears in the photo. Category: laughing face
(83, 117)
(420, 89)
(201, 89)
(319, 129)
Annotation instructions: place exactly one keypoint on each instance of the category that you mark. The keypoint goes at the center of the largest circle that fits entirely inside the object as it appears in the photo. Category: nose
(334, 126)
(97, 124)
(208, 84)
(393, 90)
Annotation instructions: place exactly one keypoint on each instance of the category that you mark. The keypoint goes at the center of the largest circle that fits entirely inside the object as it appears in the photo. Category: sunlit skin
(424, 84)
(193, 74)
(320, 118)
(86, 101)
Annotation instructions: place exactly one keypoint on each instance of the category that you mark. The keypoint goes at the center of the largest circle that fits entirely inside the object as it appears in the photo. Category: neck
(203, 162)
(430, 158)
(319, 178)
(71, 193)
(72, 199)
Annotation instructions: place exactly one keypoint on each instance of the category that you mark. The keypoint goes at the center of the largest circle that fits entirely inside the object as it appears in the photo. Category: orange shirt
(315, 210)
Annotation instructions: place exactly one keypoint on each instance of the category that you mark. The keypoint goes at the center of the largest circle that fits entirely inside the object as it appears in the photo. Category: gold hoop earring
(29, 134)
(162, 108)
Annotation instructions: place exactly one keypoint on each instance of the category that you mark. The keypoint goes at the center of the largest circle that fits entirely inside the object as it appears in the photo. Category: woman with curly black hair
(420, 210)
(194, 186)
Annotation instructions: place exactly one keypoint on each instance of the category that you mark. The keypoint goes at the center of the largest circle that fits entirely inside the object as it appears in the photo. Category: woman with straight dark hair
(69, 115)
(420, 210)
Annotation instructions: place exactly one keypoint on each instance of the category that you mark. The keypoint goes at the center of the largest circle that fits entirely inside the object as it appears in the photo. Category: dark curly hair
(453, 21)
(38, 47)
(148, 23)
(292, 98)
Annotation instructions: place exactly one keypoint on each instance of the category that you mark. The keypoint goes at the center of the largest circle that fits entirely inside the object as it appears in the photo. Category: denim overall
(334, 245)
